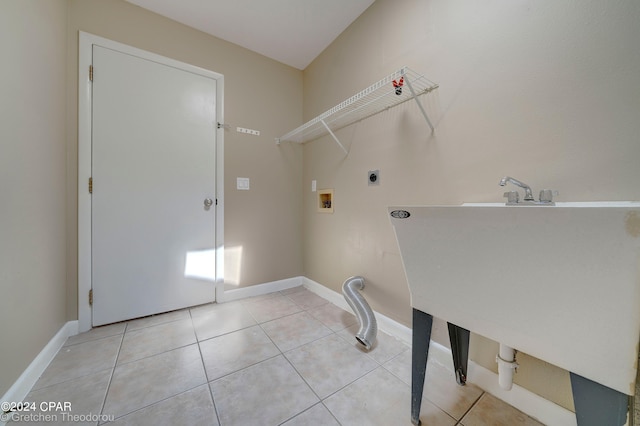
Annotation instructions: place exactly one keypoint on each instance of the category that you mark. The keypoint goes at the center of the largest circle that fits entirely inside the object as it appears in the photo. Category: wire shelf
(374, 99)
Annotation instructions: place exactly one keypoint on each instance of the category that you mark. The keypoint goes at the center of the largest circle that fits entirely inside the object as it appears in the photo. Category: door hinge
(90, 185)
(90, 72)
(91, 297)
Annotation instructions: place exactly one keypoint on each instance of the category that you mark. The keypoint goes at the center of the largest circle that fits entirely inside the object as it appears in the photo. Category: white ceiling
(294, 32)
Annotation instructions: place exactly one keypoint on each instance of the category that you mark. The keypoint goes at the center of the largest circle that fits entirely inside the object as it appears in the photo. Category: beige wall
(259, 93)
(32, 180)
(547, 92)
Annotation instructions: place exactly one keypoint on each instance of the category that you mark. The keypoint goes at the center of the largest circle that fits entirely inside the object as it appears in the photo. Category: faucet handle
(512, 197)
(546, 196)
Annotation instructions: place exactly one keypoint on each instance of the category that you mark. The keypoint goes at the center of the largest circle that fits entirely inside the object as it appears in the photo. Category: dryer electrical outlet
(373, 177)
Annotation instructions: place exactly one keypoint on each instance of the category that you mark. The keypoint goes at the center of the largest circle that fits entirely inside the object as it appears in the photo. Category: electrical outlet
(248, 131)
(373, 177)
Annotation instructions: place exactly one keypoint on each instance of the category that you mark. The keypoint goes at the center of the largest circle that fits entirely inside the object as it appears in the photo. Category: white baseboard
(528, 402)
(19, 390)
(259, 289)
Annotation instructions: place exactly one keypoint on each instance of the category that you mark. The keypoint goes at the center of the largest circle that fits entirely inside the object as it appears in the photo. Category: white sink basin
(560, 283)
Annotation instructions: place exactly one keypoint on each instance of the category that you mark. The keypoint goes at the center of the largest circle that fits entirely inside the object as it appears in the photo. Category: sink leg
(597, 404)
(422, 323)
(459, 338)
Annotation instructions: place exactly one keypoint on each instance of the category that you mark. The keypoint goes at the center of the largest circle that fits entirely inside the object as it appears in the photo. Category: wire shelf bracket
(376, 98)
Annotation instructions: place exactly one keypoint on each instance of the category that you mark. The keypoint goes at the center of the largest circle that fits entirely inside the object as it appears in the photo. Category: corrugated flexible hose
(366, 335)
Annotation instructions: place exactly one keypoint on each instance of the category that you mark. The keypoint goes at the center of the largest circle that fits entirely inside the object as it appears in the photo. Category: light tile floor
(286, 358)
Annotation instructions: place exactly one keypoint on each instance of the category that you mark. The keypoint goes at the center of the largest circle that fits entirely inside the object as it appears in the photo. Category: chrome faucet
(513, 199)
(528, 196)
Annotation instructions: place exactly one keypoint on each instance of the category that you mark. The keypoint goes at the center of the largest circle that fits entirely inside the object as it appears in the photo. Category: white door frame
(84, 164)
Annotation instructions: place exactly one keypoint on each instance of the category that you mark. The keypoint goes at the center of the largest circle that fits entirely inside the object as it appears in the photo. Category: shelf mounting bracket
(415, 98)
(334, 137)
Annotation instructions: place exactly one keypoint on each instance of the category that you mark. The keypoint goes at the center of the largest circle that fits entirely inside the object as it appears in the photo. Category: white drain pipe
(507, 364)
(366, 335)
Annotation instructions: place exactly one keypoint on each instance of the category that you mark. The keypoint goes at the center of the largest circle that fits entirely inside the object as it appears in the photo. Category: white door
(153, 200)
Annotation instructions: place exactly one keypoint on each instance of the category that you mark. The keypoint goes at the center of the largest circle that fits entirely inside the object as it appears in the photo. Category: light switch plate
(242, 183)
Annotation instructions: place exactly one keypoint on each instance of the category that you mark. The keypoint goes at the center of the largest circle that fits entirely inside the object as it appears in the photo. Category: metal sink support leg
(597, 404)
(422, 323)
(459, 338)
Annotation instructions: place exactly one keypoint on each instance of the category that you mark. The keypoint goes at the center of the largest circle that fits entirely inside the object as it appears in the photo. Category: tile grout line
(292, 366)
(159, 353)
(378, 366)
(320, 400)
(159, 325)
(206, 375)
(128, 322)
(147, 357)
(283, 354)
(334, 333)
(470, 408)
(113, 370)
(270, 339)
(274, 319)
(351, 382)
(156, 403)
(257, 324)
(307, 409)
(382, 365)
(244, 368)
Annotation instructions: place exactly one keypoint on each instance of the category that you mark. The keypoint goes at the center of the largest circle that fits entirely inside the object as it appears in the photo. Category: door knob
(208, 202)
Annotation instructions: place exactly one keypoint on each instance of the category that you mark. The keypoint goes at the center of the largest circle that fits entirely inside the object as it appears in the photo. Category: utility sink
(561, 283)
